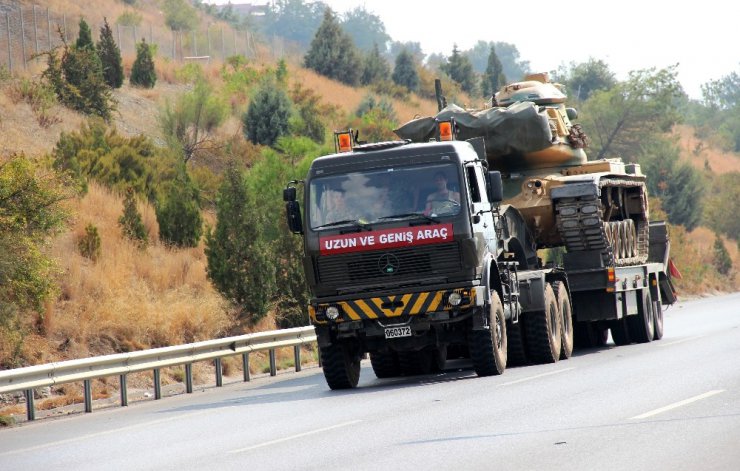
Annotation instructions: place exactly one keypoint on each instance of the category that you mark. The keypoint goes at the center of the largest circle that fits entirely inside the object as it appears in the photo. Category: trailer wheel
(488, 348)
(542, 331)
(658, 312)
(516, 354)
(642, 326)
(385, 365)
(589, 335)
(566, 319)
(341, 366)
(620, 332)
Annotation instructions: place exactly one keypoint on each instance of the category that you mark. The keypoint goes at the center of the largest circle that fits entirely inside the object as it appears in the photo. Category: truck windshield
(365, 197)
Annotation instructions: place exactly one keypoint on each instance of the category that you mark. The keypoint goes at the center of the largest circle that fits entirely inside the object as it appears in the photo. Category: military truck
(411, 258)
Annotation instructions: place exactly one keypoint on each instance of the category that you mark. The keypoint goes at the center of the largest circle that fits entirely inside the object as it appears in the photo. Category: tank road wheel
(658, 312)
(385, 365)
(642, 326)
(341, 366)
(542, 331)
(631, 239)
(488, 348)
(566, 319)
(516, 355)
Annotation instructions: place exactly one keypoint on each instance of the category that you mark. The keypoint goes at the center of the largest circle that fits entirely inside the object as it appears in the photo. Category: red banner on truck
(386, 239)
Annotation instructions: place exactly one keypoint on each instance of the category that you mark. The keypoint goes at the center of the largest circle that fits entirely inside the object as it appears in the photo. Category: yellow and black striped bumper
(389, 307)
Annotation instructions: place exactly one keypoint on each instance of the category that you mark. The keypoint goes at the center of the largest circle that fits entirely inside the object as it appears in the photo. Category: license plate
(395, 332)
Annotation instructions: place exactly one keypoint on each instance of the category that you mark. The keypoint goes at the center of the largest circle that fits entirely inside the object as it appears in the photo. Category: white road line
(530, 378)
(293, 437)
(676, 342)
(677, 404)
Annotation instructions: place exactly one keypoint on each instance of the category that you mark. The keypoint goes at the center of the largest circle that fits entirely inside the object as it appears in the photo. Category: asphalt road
(672, 404)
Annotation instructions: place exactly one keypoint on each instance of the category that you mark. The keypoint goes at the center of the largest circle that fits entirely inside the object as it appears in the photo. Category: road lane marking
(293, 437)
(676, 342)
(677, 404)
(530, 378)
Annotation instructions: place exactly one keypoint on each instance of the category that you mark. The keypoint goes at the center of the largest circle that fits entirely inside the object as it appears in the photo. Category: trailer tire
(620, 332)
(385, 365)
(516, 354)
(658, 312)
(488, 347)
(341, 366)
(589, 335)
(566, 319)
(642, 326)
(542, 331)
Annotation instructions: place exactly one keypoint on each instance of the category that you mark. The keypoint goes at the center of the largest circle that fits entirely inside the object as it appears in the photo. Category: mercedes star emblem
(388, 264)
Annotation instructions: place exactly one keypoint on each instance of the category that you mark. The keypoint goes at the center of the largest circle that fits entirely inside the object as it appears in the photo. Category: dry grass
(693, 254)
(698, 152)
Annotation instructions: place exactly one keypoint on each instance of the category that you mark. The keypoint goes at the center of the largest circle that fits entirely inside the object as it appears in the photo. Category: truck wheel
(589, 335)
(658, 312)
(601, 334)
(488, 348)
(620, 332)
(542, 331)
(566, 318)
(516, 355)
(385, 365)
(642, 326)
(341, 366)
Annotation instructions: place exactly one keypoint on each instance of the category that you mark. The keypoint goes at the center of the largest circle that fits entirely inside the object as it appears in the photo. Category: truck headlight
(332, 313)
(454, 299)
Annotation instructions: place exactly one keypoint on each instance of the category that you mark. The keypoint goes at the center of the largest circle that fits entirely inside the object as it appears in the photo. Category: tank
(595, 207)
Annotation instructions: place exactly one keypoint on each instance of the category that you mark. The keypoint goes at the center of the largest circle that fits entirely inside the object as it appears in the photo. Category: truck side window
(473, 184)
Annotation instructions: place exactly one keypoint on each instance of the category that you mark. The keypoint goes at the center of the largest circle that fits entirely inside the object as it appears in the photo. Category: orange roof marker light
(446, 130)
(343, 141)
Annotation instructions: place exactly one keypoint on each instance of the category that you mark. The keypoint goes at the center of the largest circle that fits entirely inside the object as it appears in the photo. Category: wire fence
(25, 32)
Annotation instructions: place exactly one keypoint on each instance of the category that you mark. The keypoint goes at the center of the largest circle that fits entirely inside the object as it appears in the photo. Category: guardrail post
(189, 378)
(30, 409)
(88, 395)
(297, 355)
(245, 366)
(124, 391)
(219, 373)
(273, 366)
(157, 384)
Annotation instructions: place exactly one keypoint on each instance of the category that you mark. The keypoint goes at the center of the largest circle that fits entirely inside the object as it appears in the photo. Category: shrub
(722, 260)
(41, 97)
(130, 18)
(130, 221)
(142, 72)
(370, 102)
(267, 117)
(89, 244)
(179, 218)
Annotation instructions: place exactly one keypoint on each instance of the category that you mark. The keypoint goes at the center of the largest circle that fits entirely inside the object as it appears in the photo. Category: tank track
(581, 225)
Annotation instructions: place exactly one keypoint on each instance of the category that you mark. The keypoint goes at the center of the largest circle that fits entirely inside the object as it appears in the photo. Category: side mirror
(571, 113)
(495, 187)
(293, 213)
(289, 194)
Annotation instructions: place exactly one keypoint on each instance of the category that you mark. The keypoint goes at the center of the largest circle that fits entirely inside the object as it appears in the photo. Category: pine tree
(460, 69)
(142, 72)
(404, 72)
(267, 117)
(493, 78)
(332, 52)
(179, 218)
(722, 260)
(84, 38)
(130, 221)
(375, 67)
(110, 57)
(89, 245)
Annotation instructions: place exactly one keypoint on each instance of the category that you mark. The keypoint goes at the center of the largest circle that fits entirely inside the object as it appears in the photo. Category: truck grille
(411, 262)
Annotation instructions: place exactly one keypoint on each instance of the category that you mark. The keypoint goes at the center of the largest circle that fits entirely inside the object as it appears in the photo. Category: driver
(440, 199)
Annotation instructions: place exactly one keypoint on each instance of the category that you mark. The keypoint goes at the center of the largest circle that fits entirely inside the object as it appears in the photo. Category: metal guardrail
(121, 364)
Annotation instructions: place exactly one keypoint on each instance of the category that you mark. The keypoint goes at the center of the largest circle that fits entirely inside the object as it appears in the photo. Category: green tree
(375, 68)
(583, 79)
(312, 113)
(142, 72)
(130, 221)
(110, 57)
(724, 192)
(294, 20)
(493, 78)
(370, 103)
(267, 117)
(459, 69)
(404, 71)
(239, 264)
(365, 28)
(722, 260)
(179, 218)
(189, 125)
(332, 53)
(130, 18)
(84, 37)
(514, 68)
(179, 15)
(89, 244)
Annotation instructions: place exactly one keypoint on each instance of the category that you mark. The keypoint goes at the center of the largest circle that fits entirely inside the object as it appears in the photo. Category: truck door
(480, 208)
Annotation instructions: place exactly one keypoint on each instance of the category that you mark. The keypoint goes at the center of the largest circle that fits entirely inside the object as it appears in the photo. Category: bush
(131, 223)
(130, 18)
(370, 102)
(267, 117)
(89, 244)
(41, 97)
(179, 218)
(143, 73)
(722, 260)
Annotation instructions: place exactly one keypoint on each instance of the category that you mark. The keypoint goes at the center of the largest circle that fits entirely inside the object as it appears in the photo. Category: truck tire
(341, 366)
(620, 332)
(658, 312)
(642, 326)
(566, 318)
(516, 355)
(488, 348)
(542, 331)
(385, 365)
(589, 335)
(415, 363)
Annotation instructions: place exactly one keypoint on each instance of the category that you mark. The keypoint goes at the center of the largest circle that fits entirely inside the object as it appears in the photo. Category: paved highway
(672, 404)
